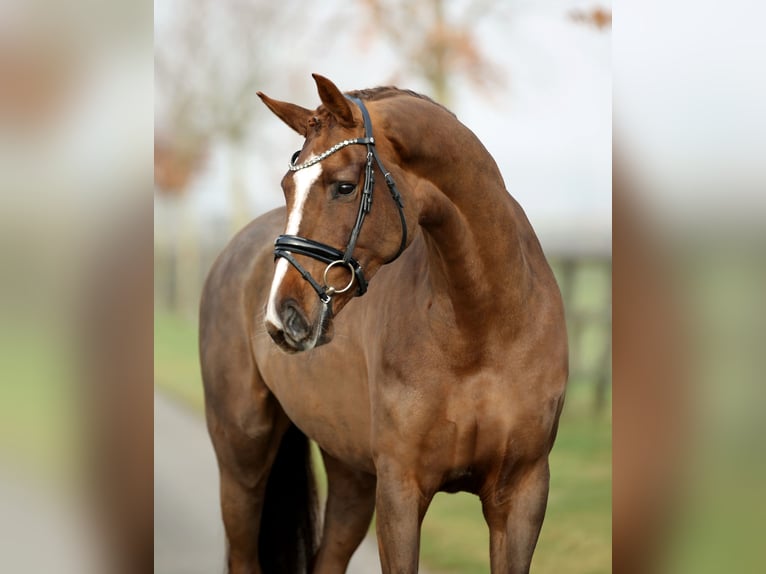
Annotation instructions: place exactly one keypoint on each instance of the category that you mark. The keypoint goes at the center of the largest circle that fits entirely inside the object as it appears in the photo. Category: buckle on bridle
(329, 289)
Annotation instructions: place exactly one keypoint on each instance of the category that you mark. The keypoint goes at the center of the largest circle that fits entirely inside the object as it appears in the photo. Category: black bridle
(286, 246)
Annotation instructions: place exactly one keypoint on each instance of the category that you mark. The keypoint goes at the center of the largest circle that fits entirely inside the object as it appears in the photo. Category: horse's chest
(449, 417)
(457, 428)
(332, 409)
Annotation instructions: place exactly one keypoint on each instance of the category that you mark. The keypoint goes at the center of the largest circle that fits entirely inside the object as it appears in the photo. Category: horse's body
(449, 374)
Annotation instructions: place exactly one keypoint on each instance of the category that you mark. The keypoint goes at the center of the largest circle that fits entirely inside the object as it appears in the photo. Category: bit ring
(329, 288)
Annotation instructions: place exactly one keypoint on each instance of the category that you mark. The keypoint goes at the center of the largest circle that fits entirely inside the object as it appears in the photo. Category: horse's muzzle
(295, 333)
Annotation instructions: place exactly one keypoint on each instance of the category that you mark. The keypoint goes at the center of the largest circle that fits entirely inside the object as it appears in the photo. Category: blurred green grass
(176, 361)
(39, 398)
(576, 535)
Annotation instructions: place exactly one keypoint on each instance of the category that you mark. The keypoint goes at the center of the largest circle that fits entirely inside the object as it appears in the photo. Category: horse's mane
(383, 92)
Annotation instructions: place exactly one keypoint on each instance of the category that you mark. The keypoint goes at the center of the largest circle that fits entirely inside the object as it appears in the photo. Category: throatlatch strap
(397, 197)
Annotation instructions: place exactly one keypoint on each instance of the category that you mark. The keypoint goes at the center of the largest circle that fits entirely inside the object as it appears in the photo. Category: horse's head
(334, 240)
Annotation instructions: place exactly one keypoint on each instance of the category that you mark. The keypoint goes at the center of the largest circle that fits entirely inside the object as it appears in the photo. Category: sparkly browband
(316, 159)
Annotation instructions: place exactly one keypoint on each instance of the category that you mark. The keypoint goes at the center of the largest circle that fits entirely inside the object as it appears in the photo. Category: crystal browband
(316, 159)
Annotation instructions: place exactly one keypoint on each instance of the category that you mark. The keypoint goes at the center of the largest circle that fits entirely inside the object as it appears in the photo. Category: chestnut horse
(448, 375)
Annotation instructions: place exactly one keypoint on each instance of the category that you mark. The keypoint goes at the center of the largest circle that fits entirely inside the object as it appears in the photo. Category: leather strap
(321, 291)
(371, 150)
(287, 244)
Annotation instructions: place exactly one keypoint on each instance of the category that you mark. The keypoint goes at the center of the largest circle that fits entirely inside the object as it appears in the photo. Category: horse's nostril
(296, 325)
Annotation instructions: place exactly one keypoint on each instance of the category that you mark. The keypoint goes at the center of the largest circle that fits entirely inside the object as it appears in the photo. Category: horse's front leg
(514, 508)
(350, 504)
(401, 504)
(245, 455)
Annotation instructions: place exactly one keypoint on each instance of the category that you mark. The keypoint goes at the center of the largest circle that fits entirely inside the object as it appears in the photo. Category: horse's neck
(481, 251)
(476, 236)
(476, 257)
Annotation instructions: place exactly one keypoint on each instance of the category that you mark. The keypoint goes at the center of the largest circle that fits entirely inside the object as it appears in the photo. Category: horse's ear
(294, 116)
(335, 102)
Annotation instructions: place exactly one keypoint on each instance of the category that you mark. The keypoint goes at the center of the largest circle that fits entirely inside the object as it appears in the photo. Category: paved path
(188, 533)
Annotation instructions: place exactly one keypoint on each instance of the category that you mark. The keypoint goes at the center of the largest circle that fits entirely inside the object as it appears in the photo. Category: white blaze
(304, 179)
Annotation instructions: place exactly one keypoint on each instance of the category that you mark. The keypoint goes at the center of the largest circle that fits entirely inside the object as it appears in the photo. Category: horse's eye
(346, 188)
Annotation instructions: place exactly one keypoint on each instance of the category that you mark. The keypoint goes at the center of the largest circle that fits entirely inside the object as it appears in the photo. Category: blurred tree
(210, 57)
(437, 40)
(207, 67)
(208, 63)
(598, 17)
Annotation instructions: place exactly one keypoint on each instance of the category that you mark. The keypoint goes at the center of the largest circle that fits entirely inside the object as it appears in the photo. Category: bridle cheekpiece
(286, 246)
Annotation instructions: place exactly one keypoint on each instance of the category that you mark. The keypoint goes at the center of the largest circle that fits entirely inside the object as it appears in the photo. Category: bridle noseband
(287, 245)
